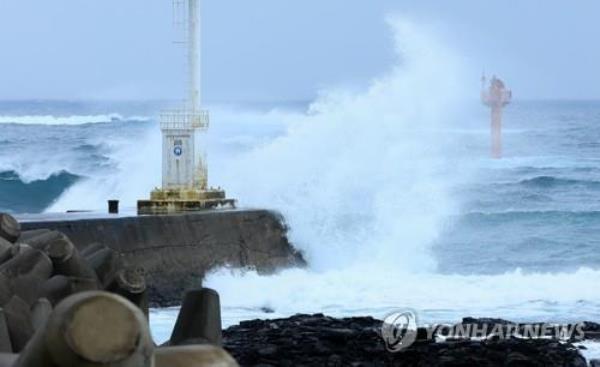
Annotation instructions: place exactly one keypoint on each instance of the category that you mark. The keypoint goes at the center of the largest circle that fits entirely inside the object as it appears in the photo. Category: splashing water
(360, 177)
(366, 182)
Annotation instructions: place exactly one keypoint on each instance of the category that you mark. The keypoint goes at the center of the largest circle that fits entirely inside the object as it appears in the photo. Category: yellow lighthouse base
(168, 201)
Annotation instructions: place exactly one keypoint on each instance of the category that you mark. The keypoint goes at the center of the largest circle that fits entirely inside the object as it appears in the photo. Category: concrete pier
(175, 251)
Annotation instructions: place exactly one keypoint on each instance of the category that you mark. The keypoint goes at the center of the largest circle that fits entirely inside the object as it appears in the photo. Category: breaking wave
(363, 174)
(68, 120)
(18, 195)
(563, 217)
(556, 182)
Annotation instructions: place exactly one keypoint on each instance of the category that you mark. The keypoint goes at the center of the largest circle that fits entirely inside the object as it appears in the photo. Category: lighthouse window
(178, 142)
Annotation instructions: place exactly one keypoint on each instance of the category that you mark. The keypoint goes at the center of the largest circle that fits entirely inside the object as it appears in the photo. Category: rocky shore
(318, 340)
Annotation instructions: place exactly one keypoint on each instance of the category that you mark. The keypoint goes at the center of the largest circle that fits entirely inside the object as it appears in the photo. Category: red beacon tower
(496, 96)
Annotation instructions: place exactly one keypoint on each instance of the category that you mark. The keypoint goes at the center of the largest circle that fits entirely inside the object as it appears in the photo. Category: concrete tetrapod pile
(64, 307)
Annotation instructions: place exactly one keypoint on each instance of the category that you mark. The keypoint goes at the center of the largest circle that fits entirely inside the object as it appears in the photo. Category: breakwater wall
(176, 251)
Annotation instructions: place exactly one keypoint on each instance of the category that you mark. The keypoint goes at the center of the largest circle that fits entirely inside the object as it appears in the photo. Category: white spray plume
(358, 177)
(363, 183)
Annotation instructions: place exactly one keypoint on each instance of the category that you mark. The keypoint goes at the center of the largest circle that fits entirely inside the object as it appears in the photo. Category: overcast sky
(265, 50)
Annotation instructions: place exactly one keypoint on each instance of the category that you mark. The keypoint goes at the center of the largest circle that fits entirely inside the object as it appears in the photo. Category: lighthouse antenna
(193, 55)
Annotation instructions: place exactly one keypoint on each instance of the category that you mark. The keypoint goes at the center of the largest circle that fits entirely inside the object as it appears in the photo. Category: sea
(388, 190)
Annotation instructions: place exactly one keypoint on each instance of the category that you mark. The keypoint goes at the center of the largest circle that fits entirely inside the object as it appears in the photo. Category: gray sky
(266, 50)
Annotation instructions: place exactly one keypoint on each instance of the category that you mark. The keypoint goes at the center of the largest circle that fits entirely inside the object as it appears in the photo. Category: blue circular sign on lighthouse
(178, 151)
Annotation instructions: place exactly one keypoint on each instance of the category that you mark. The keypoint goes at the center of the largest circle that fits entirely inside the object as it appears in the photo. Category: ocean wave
(438, 298)
(69, 120)
(540, 162)
(517, 295)
(578, 168)
(538, 215)
(89, 148)
(552, 181)
(19, 196)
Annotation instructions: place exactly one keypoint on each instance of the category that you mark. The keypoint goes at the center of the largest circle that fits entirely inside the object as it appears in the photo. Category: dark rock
(591, 330)
(482, 321)
(591, 326)
(318, 340)
(269, 350)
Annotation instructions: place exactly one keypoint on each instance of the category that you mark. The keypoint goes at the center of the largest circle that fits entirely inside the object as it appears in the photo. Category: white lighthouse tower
(184, 168)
